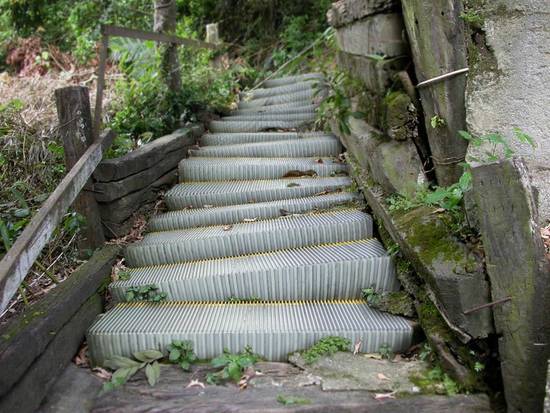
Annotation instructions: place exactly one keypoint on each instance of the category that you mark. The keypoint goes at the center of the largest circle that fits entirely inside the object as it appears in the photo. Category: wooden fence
(84, 146)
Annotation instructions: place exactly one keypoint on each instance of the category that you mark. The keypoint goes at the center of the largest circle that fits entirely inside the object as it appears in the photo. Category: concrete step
(199, 217)
(272, 329)
(313, 96)
(293, 231)
(320, 272)
(199, 194)
(211, 139)
(289, 80)
(295, 148)
(223, 126)
(234, 169)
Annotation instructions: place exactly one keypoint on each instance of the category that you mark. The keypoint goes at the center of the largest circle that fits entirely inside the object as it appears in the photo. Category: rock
(346, 11)
(394, 302)
(346, 371)
(401, 118)
(381, 34)
(396, 166)
(377, 75)
(508, 84)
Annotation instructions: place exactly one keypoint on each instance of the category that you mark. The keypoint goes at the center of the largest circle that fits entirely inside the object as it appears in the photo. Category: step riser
(198, 195)
(309, 147)
(341, 280)
(272, 330)
(243, 239)
(271, 116)
(197, 171)
(219, 126)
(259, 137)
(235, 214)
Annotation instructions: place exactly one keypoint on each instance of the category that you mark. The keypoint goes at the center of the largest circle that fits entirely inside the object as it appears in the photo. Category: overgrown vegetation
(325, 347)
(145, 293)
(232, 365)
(181, 353)
(124, 368)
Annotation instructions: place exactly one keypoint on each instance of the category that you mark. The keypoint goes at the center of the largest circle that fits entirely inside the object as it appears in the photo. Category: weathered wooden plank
(110, 191)
(75, 128)
(157, 37)
(437, 39)
(519, 269)
(21, 256)
(144, 157)
(25, 337)
(27, 394)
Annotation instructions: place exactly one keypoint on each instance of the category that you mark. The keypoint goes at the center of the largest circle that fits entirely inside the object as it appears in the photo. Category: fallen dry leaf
(228, 227)
(297, 174)
(292, 185)
(195, 383)
(208, 206)
(357, 347)
(374, 356)
(101, 373)
(81, 359)
(382, 376)
(250, 219)
(384, 396)
(319, 160)
(248, 375)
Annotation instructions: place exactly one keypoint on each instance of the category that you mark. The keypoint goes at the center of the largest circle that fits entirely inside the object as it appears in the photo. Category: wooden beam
(21, 256)
(156, 37)
(75, 120)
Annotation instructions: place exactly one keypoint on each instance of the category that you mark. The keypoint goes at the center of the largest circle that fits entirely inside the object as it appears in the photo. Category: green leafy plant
(436, 381)
(124, 368)
(145, 293)
(124, 275)
(292, 400)
(181, 353)
(370, 295)
(386, 351)
(232, 365)
(326, 347)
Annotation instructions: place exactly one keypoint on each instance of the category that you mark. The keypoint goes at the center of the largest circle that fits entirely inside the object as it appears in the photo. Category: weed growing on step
(326, 347)
(386, 351)
(370, 295)
(145, 293)
(124, 368)
(435, 381)
(232, 365)
(181, 353)
(292, 400)
(124, 275)
(437, 122)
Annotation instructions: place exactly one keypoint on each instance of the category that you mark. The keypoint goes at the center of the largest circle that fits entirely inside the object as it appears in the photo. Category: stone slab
(381, 34)
(377, 75)
(508, 85)
(343, 12)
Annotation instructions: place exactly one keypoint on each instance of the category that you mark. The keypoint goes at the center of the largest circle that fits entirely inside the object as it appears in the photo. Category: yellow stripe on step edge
(134, 304)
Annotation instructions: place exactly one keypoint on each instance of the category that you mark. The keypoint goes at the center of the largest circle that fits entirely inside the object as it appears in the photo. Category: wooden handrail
(21, 256)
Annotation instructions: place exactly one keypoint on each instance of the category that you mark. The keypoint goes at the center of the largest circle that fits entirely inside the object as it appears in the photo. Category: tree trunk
(165, 22)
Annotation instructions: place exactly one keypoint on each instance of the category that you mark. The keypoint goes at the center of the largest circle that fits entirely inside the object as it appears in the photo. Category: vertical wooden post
(518, 269)
(75, 128)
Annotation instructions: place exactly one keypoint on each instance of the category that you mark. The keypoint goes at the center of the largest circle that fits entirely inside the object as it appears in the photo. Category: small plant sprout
(181, 353)
(370, 295)
(386, 351)
(145, 293)
(124, 368)
(232, 365)
(437, 122)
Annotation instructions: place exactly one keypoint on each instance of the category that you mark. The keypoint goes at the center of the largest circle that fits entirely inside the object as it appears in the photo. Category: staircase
(264, 215)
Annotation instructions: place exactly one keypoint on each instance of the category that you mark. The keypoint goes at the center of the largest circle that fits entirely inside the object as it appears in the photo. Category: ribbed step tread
(288, 80)
(275, 109)
(294, 148)
(272, 329)
(254, 137)
(219, 169)
(199, 194)
(280, 90)
(287, 117)
(196, 217)
(310, 95)
(217, 126)
(312, 273)
(247, 238)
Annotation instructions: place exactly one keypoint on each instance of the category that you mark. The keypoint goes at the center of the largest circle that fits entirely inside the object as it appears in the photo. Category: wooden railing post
(75, 128)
